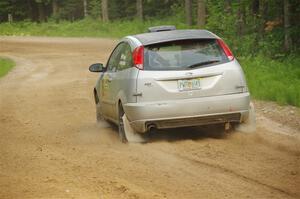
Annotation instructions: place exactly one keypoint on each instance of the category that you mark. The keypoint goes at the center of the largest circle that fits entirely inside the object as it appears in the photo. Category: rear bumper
(188, 112)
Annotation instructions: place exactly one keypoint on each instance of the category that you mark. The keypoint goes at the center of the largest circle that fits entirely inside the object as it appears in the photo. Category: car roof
(173, 35)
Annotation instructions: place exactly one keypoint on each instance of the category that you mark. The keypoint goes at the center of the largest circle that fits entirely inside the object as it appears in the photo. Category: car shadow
(189, 133)
(215, 131)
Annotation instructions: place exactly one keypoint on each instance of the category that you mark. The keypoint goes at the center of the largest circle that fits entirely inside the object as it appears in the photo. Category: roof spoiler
(161, 28)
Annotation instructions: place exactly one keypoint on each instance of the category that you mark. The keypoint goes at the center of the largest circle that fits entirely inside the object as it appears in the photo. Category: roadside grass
(268, 79)
(5, 66)
(83, 28)
(273, 80)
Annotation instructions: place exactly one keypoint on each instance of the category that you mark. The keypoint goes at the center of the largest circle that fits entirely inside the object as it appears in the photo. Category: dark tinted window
(182, 55)
(114, 58)
(125, 57)
(121, 58)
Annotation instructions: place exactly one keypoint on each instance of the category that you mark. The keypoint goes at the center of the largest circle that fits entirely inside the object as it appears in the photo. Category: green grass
(273, 80)
(5, 66)
(82, 28)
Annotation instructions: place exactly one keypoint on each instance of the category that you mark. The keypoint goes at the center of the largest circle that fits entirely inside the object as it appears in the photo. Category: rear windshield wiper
(202, 63)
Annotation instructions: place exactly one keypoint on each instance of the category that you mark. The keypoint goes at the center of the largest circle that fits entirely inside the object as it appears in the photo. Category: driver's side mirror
(97, 68)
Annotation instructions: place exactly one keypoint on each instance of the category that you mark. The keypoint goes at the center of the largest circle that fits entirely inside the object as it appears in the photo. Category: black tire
(99, 116)
(122, 135)
(248, 126)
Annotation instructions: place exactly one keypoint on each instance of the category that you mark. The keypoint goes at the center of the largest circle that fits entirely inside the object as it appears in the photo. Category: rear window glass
(183, 55)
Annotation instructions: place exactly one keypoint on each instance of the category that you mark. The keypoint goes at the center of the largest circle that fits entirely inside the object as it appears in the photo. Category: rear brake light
(226, 49)
(138, 57)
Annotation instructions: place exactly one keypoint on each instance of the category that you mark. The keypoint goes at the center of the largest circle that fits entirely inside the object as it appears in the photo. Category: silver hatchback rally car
(170, 78)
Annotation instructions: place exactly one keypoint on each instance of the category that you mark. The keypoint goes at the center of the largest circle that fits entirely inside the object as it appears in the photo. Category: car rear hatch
(186, 69)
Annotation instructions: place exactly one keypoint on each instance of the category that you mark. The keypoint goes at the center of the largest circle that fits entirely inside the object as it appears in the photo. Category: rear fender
(121, 97)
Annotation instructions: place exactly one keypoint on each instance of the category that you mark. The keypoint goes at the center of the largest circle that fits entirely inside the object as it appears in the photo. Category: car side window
(125, 60)
(114, 59)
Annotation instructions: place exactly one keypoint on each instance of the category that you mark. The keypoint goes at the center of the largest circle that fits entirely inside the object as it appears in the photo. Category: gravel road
(52, 147)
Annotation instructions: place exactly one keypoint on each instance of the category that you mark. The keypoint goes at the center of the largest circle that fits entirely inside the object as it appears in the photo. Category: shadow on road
(189, 133)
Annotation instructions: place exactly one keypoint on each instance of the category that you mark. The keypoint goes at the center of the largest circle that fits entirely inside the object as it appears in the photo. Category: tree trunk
(41, 10)
(255, 7)
(104, 11)
(228, 6)
(263, 12)
(241, 19)
(139, 9)
(201, 12)
(10, 18)
(54, 7)
(30, 10)
(260, 12)
(287, 25)
(188, 12)
(85, 8)
(256, 18)
(55, 10)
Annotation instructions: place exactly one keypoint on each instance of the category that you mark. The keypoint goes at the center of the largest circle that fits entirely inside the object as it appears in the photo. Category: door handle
(137, 94)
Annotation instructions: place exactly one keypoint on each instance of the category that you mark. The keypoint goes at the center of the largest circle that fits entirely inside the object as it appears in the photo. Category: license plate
(188, 84)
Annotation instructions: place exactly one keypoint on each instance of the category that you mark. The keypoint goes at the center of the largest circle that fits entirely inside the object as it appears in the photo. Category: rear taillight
(226, 49)
(138, 57)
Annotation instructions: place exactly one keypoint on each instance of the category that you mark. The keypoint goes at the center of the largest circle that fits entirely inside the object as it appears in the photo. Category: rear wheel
(248, 126)
(126, 132)
(122, 135)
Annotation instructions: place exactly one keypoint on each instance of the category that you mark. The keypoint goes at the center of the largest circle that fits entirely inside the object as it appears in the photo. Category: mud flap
(248, 126)
(130, 133)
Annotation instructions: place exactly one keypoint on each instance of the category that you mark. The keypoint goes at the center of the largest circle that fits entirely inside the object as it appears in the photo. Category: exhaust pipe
(151, 128)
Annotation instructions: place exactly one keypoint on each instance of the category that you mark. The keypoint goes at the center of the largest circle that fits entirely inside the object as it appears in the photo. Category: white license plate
(188, 84)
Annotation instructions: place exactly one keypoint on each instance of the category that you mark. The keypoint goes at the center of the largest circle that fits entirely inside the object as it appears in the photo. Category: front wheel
(99, 116)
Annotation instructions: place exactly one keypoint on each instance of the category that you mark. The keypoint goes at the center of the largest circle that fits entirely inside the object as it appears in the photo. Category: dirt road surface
(52, 147)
